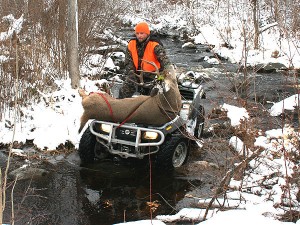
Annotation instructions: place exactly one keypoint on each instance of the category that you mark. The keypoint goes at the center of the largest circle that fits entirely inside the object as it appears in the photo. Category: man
(143, 46)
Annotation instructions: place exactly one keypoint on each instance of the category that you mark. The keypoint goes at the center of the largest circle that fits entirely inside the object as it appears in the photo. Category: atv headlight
(150, 135)
(106, 128)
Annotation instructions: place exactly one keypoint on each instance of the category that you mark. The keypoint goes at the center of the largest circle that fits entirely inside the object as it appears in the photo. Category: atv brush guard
(127, 140)
(168, 145)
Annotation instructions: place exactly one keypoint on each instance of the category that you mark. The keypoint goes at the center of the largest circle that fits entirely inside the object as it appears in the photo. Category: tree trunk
(73, 62)
(255, 23)
(1, 196)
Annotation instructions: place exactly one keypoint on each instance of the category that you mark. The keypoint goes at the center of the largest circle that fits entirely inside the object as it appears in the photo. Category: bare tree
(254, 4)
(73, 62)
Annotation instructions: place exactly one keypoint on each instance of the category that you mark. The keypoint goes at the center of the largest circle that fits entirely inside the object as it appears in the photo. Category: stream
(106, 193)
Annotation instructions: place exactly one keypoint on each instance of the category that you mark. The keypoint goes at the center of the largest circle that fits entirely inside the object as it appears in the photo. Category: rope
(130, 114)
(150, 184)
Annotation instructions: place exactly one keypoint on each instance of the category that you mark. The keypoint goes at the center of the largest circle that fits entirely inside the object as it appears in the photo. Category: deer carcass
(152, 110)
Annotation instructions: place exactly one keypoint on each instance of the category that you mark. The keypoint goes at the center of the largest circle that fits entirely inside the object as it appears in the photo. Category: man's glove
(162, 75)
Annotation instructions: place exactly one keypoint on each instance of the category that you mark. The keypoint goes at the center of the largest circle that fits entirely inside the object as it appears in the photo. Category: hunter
(147, 47)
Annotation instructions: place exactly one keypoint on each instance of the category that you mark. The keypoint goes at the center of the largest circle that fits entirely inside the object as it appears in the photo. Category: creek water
(102, 193)
(106, 193)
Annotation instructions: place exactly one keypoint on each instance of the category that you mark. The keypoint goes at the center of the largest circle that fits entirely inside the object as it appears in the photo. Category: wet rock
(270, 67)
(195, 167)
(201, 57)
(220, 128)
(74, 158)
(211, 60)
(8, 124)
(24, 173)
(205, 164)
(55, 159)
(189, 45)
(60, 157)
(3, 158)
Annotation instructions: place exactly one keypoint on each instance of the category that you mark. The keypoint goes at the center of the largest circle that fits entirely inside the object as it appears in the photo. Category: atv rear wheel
(86, 148)
(173, 153)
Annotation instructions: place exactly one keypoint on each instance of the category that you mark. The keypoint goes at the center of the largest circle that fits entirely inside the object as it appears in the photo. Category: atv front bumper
(128, 140)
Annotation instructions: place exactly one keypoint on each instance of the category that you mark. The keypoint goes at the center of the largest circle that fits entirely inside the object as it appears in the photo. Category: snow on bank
(273, 42)
(289, 103)
(15, 27)
(236, 114)
(260, 197)
(51, 122)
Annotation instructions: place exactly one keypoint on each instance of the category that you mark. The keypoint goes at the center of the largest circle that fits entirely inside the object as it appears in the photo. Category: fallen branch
(262, 29)
(226, 180)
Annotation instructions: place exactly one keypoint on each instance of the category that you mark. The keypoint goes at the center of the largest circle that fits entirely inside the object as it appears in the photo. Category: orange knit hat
(142, 27)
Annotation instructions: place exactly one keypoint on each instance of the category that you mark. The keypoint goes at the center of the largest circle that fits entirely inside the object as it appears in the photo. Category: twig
(12, 202)
(15, 39)
(225, 181)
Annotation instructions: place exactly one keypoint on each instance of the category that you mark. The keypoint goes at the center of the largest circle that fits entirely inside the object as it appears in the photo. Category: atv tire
(86, 148)
(173, 153)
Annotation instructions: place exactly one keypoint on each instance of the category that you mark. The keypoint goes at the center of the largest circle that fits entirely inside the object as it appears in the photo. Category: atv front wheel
(173, 153)
(87, 145)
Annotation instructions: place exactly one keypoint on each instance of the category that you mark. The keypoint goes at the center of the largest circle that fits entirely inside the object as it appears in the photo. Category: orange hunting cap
(142, 27)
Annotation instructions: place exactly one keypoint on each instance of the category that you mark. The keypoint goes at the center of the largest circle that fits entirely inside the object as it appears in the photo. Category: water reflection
(53, 199)
(115, 193)
(102, 193)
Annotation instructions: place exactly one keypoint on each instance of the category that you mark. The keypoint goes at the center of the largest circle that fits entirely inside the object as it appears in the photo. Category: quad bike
(168, 144)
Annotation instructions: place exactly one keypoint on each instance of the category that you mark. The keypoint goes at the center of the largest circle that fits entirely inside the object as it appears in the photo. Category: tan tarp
(156, 110)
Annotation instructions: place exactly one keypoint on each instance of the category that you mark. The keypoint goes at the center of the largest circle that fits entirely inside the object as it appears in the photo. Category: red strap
(127, 118)
(108, 105)
(111, 111)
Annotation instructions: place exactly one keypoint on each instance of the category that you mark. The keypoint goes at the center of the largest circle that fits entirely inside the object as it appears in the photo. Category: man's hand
(162, 75)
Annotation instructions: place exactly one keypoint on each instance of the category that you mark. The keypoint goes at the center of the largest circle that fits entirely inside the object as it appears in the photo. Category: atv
(168, 144)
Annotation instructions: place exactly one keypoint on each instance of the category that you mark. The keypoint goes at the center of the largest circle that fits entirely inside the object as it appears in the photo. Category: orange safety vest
(148, 56)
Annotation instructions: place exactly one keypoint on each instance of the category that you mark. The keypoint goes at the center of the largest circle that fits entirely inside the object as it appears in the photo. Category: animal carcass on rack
(152, 110)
